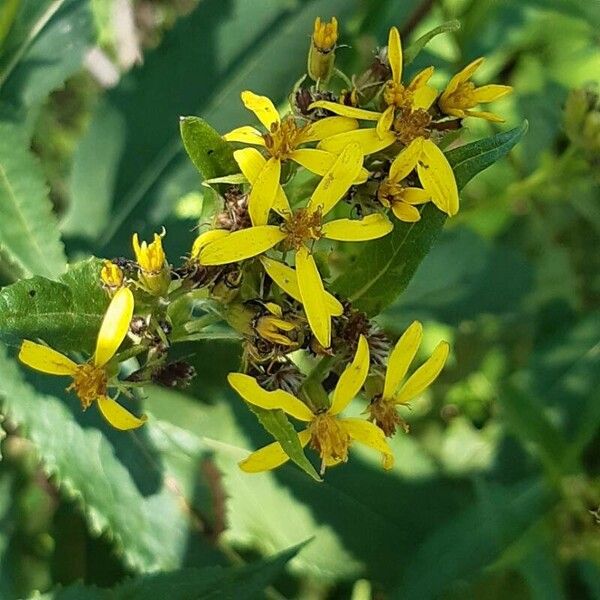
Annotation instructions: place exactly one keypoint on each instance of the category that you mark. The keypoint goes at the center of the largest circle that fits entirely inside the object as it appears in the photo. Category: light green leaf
(384, 267)
(413, 50)
(8, 12)
(142, 489)
(28, 230)
(66, 314)
(211, 155)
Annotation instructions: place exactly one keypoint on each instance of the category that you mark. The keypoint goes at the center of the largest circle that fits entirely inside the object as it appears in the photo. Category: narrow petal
(346, 111)
(368, 139)
(482, 114)
(262, 107)
(437, 177)
(320, 161)
(326, 128)
(352, 379)
(385, 122)
(264, 189)
(247, 387)
(114, 326)
(405, 212)
(395, 54)
(285, 277)
(400, 358)
(337, 181)
(370, 227)
(270, 457)
(406, 160)
(424, 97)
(245, 135)
(489, 93)
(206, 238)
(45, 359)
(117, 416)
(241, 245)
(415, 196)
(370, 435)
(313, 297)
(421, 79)
(469, 70)
(425, 375)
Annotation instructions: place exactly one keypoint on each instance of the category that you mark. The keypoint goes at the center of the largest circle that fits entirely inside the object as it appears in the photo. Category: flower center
(329, 438)
(411, 124)
(389, 192)
(463, 96)
(283, 138)
(384, 414)
(396, 94)
(302, 226)
(89, 382)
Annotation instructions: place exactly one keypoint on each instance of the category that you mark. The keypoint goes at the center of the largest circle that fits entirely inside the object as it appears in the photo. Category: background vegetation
(496, 491)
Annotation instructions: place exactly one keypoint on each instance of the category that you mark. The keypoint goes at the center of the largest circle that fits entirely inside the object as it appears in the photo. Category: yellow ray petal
(405, 212)
(337, 180)
(415, 195)
(206, 238)
(313, 297)
(421, 79)
(285, 277)
(425, 375)
(482, 114)
(270, 457)
(247, 387)
(46, 360)
(463, 75)
(326, 128)
(352, 379)
(437, 177)
(370, 435)
(406, 160)
(320, 161)
(424, 97)
(346, 111)
(114, 326)
(245, 135)
(117, 416)
(395, 54)
(385, 122)
(370, 227)
(241, 245)
(264, 188)
(262, 107)
(368, 139)
(401, 357)
(489, 93)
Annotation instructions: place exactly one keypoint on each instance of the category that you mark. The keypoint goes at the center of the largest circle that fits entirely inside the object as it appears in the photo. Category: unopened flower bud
(154, 272)
(111, 276)
(321, 56)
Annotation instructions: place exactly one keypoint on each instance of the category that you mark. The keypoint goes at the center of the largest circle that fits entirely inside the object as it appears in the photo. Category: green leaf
(144, 489)
(413, 50)
(66, 314)
(278, 425)
(28, 230)
(383, 268)
(211, 155)
(8, 12)
(242, 583)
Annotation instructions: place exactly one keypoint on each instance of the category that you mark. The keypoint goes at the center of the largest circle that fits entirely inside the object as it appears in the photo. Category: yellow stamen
(411, 124)
(397, 95)
(384, 414)
(89, 383)
(329, 438)
(303, 226)
(283, 138)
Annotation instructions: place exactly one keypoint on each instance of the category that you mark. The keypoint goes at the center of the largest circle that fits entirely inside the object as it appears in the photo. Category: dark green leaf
(384, 267)
(8, 12)
(211, 155)
(28, 230)
(66, 314)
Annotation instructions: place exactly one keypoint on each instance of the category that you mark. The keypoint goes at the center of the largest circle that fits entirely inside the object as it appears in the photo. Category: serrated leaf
(383, 268)
(66, 314)
(28, 229)
(143, 489)
(211, 155)
(278, 425)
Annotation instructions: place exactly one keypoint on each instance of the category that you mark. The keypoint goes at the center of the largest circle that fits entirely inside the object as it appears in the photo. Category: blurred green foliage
(496, 490)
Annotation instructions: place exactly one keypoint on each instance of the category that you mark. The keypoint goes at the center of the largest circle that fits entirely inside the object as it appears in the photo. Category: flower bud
(111, 276)
(154, 274)
(321, 56)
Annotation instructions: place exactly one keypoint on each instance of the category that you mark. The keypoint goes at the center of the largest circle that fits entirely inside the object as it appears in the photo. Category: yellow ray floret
(91, 379)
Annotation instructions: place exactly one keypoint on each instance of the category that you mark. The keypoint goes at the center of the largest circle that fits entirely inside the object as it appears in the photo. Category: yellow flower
(111, 276)
(328, 433)
(154, 271)
(91, 379)
(270, 326)
(321, 56)
(282, 142)
(300, 229)
(382, 410)
(461, 95)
